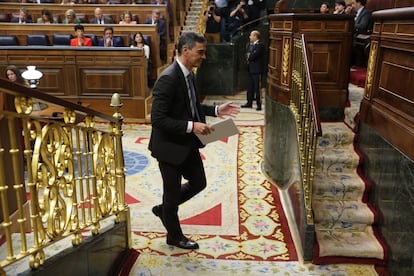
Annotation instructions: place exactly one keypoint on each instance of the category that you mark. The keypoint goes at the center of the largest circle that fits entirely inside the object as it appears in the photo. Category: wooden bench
(125, 31)
(89, 75)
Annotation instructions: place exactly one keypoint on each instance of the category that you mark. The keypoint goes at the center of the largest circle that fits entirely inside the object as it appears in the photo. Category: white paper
(223, 128)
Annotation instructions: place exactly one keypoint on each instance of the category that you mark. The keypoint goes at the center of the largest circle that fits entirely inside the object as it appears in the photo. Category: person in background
(363, 17)
(238, 16)
(109, 40)
(339, 7)
(23, 17)
(324, 9)
(80, 39)
(213, 25)
(13, 74)
(362, 29)
(161, 30)
(127, 18)
(349, 9)
(70, 17)
(99, 18)
(255, 67)
(176, 117)
(138, 41)
(46, 18)
(162, 3)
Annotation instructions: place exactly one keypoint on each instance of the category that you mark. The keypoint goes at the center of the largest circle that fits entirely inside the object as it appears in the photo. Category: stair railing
(60, 175)
(304, 106)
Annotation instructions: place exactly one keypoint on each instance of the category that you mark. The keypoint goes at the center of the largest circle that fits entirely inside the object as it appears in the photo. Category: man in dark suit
(362, 29)
(176, 117)
(100, 18)
(108, 40)
(255, 64)
(363, 18)
(23, 17)
(161, 30)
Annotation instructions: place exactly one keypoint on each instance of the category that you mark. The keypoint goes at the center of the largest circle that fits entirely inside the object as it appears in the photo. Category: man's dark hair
(108, 29)
(340, 2)
(189, 39)
(79, 27)
(363, 2)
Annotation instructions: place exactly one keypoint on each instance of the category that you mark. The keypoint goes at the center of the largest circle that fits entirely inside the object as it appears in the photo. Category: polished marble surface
(391, 175)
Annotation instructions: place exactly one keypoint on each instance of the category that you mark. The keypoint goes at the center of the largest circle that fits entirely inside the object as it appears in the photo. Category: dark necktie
(193, 99)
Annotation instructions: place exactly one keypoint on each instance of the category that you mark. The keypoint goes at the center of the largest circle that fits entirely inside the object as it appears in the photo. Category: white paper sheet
(223, 128)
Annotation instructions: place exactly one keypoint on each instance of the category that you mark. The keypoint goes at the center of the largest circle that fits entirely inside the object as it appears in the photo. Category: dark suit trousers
(176, 193)
(253, 89)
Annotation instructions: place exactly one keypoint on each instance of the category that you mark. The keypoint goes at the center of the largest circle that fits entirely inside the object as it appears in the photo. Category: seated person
(138, 41)
(70, 17)
(80, 39)
(127, 18)
(339, 7)
(109, 40)
(23, 17)
(13, 74)
(161, 30)
(324, 9)
(46, 18)
(99, 18)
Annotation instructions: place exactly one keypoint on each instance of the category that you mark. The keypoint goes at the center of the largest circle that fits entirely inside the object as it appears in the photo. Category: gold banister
(72, 171)
(305, 107)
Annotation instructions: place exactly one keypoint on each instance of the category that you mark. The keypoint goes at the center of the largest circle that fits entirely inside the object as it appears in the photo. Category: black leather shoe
(246, 106)
(259, 108)
(182, 242)
(157, 210)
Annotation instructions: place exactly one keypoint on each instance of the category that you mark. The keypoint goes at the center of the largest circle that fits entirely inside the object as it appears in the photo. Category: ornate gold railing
(59, 176)
(304, 105)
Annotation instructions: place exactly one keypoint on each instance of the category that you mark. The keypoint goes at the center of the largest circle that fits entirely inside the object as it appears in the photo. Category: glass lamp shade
(32, 76)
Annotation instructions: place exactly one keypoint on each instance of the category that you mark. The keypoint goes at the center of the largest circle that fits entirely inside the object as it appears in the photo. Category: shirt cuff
(190, 126)
(217, 110)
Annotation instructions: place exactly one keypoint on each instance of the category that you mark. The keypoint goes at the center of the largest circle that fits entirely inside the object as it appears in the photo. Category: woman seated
(70, 17)
(127, 18)
(138, 41)
(46, 18)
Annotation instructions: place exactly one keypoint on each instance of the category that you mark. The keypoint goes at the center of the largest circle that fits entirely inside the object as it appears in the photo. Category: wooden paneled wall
(388, 103)
(329, 39)
(21, 31)
(89, 75)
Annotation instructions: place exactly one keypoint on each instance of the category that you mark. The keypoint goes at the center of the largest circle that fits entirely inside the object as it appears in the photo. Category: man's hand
(201, 128)
(228, 109)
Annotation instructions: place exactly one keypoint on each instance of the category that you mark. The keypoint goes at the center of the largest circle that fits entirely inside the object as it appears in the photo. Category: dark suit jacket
(16, 20)
(117, 41)
(170, 114)
(161, 29)
(255, 58)
(363, 23)
(107, 20)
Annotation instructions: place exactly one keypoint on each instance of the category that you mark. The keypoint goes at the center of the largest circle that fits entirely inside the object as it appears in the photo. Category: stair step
(336, 160)
(358, 244)
(338, 187)
(345, 215)
(335, 135)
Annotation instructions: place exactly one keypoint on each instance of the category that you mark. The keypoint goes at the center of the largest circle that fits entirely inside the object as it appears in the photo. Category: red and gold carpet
(237, 220)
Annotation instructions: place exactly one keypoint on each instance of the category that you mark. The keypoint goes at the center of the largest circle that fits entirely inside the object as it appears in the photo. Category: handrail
(311, 86)
(19, 90)
(305, 108)
(73, 172)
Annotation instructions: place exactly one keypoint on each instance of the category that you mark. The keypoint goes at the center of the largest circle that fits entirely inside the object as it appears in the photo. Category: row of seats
(57, 18)
(58, 40)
